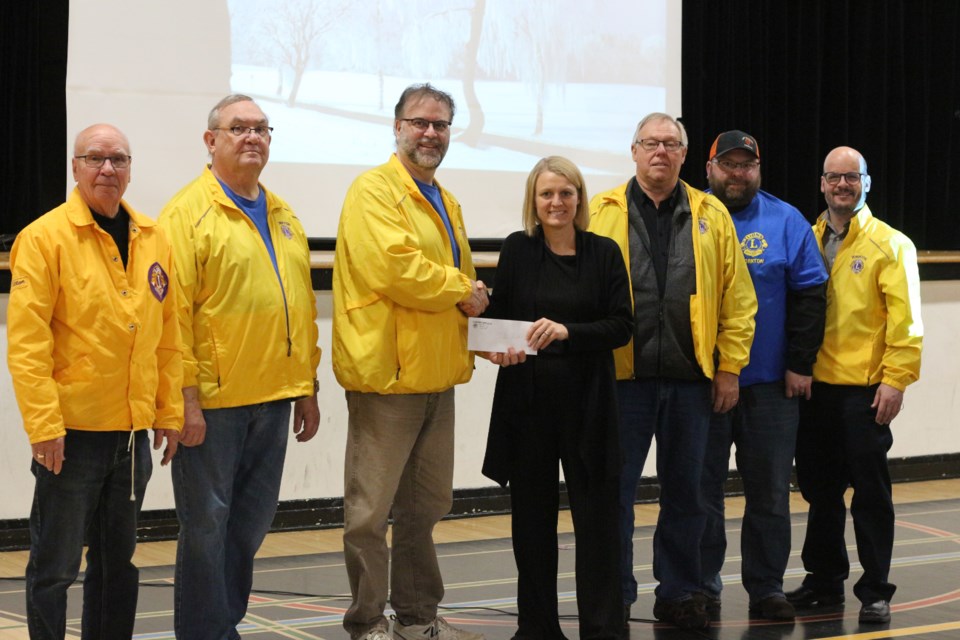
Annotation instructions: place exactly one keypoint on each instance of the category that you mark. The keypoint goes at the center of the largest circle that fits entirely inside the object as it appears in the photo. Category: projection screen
(530, 79)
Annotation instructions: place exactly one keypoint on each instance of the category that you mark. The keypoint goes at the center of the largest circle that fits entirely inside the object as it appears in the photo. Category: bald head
(101, 187)
(98, 131)
(846, 156)
(844, 184)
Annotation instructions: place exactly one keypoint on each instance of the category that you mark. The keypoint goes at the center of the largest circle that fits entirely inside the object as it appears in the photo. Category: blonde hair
(562, 167)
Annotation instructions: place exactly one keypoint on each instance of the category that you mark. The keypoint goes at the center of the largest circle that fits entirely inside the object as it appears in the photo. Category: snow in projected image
(529, 78)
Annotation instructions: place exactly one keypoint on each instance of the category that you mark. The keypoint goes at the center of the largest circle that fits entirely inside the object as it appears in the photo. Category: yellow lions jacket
(722, 310)
(248, 336)
(873, 333)
(91, 346)
(396, 325)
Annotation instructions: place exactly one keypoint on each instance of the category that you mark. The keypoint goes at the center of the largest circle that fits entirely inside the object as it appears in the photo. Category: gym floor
(300, 584)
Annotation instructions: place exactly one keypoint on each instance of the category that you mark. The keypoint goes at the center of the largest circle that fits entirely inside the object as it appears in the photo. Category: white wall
(927, 425)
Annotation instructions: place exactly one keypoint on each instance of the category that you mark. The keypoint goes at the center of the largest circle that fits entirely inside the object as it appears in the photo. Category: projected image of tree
(530, 78)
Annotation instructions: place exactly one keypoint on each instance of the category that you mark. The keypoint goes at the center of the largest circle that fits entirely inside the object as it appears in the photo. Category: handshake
(478, 300)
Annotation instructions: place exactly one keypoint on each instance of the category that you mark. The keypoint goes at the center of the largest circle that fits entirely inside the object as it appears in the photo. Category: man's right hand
(49, 454)
(478, 300)
(194, 426)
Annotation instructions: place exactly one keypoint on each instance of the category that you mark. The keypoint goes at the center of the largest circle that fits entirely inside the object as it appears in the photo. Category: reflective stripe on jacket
(248, 337)
(92, 346)
(396, 325)
(722, 310)
(874, 333)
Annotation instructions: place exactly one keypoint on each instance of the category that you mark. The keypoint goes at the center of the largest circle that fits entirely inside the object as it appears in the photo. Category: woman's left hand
(545, 331)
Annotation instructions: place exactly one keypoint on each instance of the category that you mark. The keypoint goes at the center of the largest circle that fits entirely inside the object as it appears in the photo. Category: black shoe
(686, 614)
(711, 604)
(803, 597)
(875, 613)
(773, 608)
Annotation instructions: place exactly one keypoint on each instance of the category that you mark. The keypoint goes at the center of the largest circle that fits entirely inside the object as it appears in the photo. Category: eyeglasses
(261, 130)
(651, 144)
(422, 124)
(730, 167)
(852, 177)
(95, 161)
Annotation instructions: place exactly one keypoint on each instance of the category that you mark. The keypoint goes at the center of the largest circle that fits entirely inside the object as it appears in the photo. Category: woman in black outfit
(561, 403)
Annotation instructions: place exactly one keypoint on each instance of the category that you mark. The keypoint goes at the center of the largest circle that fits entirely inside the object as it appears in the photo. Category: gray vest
(662, 336)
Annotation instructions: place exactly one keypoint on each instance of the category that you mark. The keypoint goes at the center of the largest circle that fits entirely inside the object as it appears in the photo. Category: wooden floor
(280, 545)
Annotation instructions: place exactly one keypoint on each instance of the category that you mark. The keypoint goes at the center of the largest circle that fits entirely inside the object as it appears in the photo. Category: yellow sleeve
(175, 223)
(900, 288)
(35, 282)
(738, 305)
(170, 355)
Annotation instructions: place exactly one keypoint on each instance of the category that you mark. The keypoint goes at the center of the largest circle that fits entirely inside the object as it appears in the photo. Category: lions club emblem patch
(753, 244)
(158, 281)
(857, 264)
(703, 225)
(285, 229)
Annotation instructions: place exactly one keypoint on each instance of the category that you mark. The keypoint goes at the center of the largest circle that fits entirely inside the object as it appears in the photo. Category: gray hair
(213, 119)
(652, 117)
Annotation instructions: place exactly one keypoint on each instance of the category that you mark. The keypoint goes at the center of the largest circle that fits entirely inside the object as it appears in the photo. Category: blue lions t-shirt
(781, 253)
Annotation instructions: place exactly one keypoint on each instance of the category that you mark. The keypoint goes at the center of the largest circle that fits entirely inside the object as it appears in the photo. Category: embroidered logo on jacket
(858, 263)
(286, 230)
(158, 281)
(703, 225)
(753, 245)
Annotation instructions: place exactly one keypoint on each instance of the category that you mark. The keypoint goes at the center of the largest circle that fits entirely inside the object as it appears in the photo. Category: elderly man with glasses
(790, 280)
(870, 353)
(248, 317)
(693, 327)
(94, 355)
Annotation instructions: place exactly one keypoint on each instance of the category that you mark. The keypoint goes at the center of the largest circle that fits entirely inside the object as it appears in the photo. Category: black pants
(594, 506)
(839, 444)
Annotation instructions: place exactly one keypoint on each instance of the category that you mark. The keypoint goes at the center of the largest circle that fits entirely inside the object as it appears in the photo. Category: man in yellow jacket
(403, 280)
(94, 354)
(694, 305)
(870, 353)
(248, 317)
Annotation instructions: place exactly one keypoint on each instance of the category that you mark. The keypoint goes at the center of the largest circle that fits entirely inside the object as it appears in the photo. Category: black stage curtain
(33, 109)
(804, 77)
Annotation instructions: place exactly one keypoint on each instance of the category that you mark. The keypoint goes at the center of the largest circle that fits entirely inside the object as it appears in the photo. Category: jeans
(840, 445)
(678, 412)
(226, 492)
(91, 496)
(763, 426)
(399, 459)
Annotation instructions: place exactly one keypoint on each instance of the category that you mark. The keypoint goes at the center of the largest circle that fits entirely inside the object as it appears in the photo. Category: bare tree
(295, 27)
(535, 42)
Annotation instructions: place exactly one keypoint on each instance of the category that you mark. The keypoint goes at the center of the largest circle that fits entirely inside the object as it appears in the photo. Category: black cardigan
(602, 275)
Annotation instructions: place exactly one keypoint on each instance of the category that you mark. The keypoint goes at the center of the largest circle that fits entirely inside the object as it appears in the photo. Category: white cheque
(497, 336)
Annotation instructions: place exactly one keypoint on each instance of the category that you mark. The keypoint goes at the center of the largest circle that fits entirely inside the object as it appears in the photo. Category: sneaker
(686, 614)
(378, 632)
(439, 629)
(775, 607)
(875, 613)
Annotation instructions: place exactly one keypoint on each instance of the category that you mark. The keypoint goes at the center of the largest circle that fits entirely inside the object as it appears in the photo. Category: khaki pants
(400, 458)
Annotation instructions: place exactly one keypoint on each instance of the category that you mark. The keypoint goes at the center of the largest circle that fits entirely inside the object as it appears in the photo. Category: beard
(426, 158)
(735, 195)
